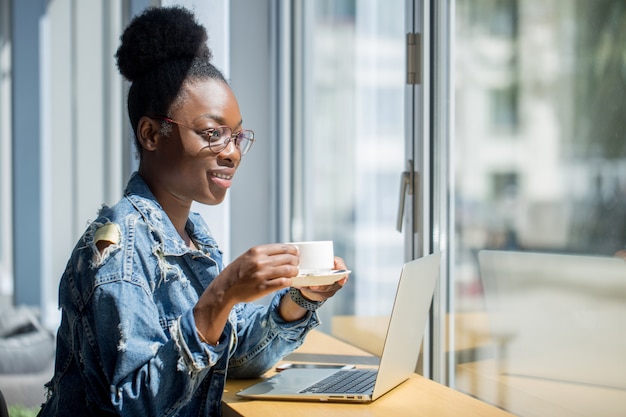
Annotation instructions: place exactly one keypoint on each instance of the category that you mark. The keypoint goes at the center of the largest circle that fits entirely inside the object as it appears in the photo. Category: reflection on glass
(540, 174)
(543, 308)
(352, 150)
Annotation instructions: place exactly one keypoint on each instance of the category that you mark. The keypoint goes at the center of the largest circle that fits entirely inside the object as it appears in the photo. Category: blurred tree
(600, 103)
(599, 124)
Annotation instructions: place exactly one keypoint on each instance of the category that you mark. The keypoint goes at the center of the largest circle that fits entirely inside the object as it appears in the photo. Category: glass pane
(352, 149)
(6, 254)
(540, 201)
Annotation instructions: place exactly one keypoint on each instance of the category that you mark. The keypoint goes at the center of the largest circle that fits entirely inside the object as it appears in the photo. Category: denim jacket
(127, 344)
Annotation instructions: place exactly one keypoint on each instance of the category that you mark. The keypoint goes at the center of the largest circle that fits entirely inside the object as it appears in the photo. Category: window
(352, 146)
(503, 110)
(537, 318)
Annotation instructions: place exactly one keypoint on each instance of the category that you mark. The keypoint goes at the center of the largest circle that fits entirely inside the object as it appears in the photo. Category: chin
(212, 200)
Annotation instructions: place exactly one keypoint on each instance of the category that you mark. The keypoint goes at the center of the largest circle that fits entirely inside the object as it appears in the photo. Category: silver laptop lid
(411, 309)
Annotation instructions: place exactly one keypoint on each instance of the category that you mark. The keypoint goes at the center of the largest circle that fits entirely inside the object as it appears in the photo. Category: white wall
(83, 143)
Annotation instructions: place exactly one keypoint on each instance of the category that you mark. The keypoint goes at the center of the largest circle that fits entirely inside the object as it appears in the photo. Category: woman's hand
(324, 292)
(290, 311)
(259, 272)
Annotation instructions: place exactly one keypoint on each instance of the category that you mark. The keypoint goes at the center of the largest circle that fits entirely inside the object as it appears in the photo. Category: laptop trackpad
(288, 381)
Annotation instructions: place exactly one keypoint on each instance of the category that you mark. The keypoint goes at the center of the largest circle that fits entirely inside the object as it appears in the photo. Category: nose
(230, 152)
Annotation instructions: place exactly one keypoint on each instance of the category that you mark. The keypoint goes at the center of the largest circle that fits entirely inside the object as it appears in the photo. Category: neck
(177, 210)
(178, 216)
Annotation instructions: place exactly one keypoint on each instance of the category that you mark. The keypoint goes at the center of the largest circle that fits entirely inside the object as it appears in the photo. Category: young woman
(152, 322)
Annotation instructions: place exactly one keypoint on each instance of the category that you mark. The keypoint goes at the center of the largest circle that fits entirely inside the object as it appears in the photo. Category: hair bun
(159, 35)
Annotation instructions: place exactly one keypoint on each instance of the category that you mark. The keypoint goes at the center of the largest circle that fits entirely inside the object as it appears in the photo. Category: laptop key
(348, 381)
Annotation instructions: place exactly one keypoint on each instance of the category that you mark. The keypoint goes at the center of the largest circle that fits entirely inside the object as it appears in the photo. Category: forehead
(208, 98)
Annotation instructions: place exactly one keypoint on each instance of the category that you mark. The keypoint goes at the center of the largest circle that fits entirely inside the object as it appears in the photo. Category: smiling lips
(222, 176)
(221, 179)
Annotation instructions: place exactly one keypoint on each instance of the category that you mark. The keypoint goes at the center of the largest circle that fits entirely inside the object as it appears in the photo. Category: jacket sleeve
(263, 338)
(150, 374)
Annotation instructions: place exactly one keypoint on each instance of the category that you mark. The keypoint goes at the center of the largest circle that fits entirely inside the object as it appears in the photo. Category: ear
(148, 133)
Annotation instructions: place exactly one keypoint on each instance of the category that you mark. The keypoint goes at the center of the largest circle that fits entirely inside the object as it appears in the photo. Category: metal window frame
(6, 161)
(443, 186)
(429, 132)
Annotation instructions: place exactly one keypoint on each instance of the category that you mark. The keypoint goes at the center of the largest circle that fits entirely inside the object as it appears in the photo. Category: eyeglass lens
(220, 137)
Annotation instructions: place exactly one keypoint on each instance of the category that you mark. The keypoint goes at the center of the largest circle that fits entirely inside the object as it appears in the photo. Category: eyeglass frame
(203, 133)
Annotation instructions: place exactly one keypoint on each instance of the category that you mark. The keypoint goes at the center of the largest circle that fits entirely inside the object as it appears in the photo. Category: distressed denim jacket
(127, 344)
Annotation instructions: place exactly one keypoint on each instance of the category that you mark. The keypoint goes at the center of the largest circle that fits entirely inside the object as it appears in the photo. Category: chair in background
(4, 411)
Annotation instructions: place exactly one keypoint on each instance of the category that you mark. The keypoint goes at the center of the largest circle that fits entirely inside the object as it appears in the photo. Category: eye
(212, 135)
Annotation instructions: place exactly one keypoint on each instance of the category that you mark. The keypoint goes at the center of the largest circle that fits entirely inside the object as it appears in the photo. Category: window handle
(406, 187)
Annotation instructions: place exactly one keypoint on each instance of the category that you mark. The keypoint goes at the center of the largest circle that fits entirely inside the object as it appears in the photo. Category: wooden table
(416, 397)
(538, 397)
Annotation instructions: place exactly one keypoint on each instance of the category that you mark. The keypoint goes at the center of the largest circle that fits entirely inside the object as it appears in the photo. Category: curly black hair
(161, 49)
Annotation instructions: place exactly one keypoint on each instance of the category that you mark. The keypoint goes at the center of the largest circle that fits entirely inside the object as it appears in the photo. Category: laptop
(557, 317)
(398, 360)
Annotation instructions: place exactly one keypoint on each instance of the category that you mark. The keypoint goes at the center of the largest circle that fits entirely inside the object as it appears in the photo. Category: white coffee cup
(316, 257)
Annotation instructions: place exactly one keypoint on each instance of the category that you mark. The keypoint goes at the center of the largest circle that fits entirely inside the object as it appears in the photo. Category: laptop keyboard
(359, 381)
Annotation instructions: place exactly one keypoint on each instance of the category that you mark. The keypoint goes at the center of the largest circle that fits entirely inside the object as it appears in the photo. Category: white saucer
(327, 278)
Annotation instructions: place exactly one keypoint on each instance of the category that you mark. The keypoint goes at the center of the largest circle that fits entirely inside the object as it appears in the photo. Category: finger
(334, 286)
(279, 261)
(339, 263)
(339, 283)
(278, 283)
(285, 270)
(281, 248)
(271, 250)
(324, 289)
(320, 295)
(272, 272)
(280, 254)
(268, 262)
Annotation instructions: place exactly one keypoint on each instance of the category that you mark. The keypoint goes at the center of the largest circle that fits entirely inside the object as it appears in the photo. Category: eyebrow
(219, 120)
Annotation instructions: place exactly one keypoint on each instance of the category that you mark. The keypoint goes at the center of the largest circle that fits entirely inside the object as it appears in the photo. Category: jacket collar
(140, 196)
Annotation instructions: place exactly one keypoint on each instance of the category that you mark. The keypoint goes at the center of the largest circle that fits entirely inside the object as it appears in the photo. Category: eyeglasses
(219, 137)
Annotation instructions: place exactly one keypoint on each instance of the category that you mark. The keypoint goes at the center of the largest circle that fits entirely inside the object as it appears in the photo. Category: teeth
(222, 176)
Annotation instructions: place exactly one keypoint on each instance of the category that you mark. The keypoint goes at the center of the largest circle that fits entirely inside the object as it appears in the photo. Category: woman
(151, 320)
